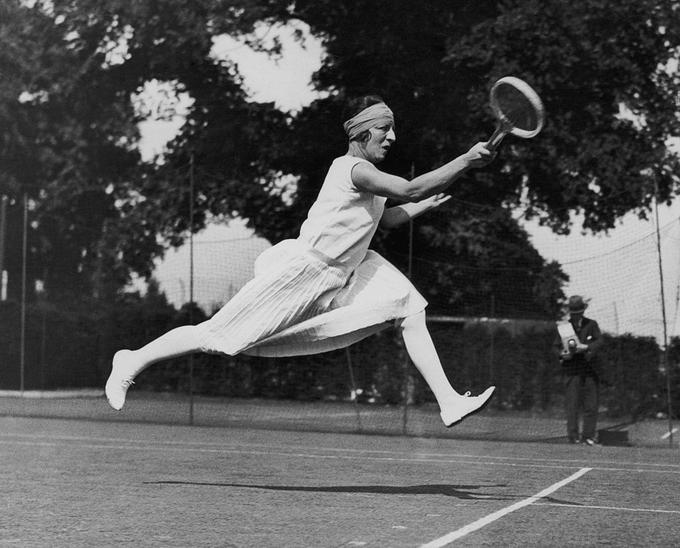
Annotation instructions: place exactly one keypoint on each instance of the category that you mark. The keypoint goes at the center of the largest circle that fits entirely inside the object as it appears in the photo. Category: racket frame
(503, 125)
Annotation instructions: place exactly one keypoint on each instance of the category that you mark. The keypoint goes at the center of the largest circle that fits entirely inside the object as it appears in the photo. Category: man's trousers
(581, 391)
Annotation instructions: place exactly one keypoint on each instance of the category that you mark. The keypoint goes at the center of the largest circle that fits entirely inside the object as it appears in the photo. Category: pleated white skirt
(300, 302)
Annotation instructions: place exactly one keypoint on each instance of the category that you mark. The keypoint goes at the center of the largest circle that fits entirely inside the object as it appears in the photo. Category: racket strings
(516, 108)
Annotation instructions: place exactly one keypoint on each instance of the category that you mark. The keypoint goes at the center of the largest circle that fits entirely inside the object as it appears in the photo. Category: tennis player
(326, 289)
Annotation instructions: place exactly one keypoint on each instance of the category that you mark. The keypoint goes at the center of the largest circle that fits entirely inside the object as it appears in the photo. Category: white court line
(193, 445)
(481, 460)
(615, 508)
(285, 454)
(475, 525)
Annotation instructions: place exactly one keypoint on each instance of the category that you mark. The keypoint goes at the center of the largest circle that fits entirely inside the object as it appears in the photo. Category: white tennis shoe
(120, 379)
(466, 406)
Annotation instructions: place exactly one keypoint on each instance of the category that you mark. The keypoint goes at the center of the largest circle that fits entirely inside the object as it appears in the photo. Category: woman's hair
(356, 105)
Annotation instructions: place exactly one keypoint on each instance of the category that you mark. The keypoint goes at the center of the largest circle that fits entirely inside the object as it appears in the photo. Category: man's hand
(581, 348)
(569, 353)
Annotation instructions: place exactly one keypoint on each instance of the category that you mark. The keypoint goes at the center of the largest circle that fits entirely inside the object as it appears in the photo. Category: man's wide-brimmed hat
(577, 304)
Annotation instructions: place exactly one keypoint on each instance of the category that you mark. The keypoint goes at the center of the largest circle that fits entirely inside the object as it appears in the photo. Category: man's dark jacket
(585, 364)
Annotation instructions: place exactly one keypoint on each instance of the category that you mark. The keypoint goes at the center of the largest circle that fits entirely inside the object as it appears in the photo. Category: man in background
(579, 360)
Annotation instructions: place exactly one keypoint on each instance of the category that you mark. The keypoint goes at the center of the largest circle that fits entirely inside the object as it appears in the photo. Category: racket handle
(496, 138)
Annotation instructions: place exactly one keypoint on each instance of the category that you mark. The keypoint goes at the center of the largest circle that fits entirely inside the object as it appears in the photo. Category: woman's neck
(357, 150)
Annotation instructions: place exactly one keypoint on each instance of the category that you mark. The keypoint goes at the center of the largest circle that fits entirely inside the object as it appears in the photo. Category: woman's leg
(423, 354)
(127, 364)
(287, 290)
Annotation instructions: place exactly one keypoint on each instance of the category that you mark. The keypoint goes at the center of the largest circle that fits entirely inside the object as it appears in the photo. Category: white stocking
(424, 356)
(176, 342)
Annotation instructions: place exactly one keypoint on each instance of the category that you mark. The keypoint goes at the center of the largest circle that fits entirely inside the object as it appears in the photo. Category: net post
(664, 352)
(406, 363)
(492, 336)
(191, 283)
(3, 237)
(348, 357)
(24, 252)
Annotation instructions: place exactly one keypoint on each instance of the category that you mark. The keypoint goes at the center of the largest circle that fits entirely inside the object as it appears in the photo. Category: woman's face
(379, 142)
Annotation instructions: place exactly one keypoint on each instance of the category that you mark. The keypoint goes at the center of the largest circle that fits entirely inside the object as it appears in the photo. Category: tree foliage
(588, 59)
(602, 68)
(70, 69)
(434, 62)
(68, 126)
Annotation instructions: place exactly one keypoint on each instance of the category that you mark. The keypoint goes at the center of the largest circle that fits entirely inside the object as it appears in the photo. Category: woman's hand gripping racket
(518, 110)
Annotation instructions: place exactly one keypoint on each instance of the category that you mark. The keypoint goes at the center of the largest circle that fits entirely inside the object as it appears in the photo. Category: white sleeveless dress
(323, 291)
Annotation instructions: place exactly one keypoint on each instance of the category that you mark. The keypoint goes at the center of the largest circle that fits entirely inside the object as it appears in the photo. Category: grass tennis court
(75, 482)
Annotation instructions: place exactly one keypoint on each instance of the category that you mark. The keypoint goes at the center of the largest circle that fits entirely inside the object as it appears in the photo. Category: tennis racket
(518, 109)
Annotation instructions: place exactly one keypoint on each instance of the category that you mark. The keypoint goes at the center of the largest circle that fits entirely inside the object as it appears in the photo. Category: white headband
(368, 118)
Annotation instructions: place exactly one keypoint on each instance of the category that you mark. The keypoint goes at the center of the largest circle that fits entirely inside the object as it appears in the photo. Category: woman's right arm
(370, 179)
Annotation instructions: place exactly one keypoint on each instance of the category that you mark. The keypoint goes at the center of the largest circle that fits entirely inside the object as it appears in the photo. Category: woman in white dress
(326, 289)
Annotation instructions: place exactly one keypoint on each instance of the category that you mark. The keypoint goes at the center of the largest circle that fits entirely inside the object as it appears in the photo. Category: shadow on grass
(458, 491)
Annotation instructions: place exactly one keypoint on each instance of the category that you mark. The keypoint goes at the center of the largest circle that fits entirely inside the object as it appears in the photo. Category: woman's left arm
(397, 215)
